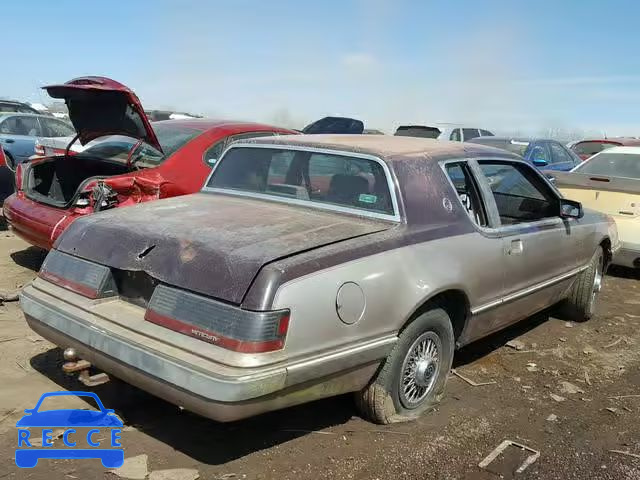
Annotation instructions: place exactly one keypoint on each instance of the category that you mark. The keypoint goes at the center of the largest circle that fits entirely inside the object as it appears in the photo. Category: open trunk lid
(616, 196)
(99, 106)
(213, 244)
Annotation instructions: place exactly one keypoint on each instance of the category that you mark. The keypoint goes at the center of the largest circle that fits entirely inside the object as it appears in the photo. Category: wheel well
(454, 302)
(606, 247)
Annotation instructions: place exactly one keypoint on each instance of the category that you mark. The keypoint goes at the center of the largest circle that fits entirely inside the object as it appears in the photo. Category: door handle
(516, 247)
(9, 140)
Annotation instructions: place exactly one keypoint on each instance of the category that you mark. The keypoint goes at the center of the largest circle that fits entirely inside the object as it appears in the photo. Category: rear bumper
(36, 223)
(628, 255)
(200, 387)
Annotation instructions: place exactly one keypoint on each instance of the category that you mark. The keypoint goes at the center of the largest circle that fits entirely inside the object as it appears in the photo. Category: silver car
(315, 265)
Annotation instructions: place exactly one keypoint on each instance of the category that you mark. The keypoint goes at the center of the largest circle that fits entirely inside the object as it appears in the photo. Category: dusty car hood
(214, 244)
(99, 106)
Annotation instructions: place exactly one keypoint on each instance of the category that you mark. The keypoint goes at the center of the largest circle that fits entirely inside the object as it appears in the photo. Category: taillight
(215, 322)
(81, 276)
(18, 175)
(39, 149)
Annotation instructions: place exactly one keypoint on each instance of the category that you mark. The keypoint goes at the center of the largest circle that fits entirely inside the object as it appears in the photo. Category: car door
(560, 158)
(18, 136)
(486, 275)
(539, 247)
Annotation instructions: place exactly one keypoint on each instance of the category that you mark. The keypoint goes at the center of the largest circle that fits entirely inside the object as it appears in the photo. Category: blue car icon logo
(27, 456)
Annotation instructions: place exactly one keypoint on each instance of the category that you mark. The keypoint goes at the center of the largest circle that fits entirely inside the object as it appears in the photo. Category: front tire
(581, 302)
(412, 378)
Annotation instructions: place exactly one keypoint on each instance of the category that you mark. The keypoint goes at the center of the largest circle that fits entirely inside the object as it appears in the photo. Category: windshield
(316, 178)
(612, 165)
(519, 147)
(118, 147)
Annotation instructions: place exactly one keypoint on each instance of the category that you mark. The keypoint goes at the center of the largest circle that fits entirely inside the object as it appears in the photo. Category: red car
(132, 163)
(587, 148)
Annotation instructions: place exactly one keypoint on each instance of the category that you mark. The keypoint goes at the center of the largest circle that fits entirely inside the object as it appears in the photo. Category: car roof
(207, 123)
(21, 114)
(388, 147)
(634, 150)
(620, 140)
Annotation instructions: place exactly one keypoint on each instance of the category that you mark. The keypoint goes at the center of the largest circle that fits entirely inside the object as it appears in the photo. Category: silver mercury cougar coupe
(315, 265)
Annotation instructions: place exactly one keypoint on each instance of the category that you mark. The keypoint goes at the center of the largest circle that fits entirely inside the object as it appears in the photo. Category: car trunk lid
(99, 106)
(213, 244)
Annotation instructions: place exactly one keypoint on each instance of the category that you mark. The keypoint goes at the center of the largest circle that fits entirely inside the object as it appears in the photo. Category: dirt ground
(575, 425)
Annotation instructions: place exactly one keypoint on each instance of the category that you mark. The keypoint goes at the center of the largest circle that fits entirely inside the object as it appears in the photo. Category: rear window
(117, 147)
(309, 177)
(417, 131)
(612, 165)
(470, 133)
(591, 148)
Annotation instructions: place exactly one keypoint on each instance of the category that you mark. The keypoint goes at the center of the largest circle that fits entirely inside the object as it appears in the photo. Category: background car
(138, 163)
(542, 153)
(609, 182)
(441, 131)
(587, 148)
(12, 106)
(456, 133)
(19, 132)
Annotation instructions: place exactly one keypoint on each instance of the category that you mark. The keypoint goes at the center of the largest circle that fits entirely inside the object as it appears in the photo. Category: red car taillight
(18, 177)
(218, 323)
(39, 149)
(81, 276)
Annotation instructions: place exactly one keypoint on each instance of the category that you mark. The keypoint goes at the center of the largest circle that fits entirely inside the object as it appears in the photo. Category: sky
(523, 67)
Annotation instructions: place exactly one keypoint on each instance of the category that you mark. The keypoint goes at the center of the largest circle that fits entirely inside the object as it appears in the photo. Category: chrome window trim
(502, 230)
(391, 182)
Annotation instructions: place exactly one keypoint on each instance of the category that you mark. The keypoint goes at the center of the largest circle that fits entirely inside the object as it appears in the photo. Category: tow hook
(75, 365)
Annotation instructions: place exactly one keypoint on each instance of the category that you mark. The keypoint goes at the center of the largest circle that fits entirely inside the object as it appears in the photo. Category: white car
(459, 133)
(442, 131)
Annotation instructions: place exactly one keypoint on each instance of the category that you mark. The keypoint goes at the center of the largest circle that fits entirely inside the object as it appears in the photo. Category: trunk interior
(56, 181)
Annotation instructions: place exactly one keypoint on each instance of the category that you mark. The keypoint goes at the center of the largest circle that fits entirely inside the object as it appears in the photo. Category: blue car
(18, 135)
(28, 456)
(19, 132)
(542, 153)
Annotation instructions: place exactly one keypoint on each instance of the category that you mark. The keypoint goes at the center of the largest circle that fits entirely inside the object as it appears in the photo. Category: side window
(213, 153)
(455, 135)
(470, 133)
(467, 191)
(18, 125)
(520, 195)
(558, 154)
(486, 133)
(538, 155)
(55, 128)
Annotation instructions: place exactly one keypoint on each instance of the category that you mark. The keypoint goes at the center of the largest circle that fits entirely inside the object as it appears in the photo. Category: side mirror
(570, 209)
(540, 162)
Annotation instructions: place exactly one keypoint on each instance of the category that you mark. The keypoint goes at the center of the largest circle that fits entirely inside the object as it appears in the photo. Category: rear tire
(412, 378)
(581, 302)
